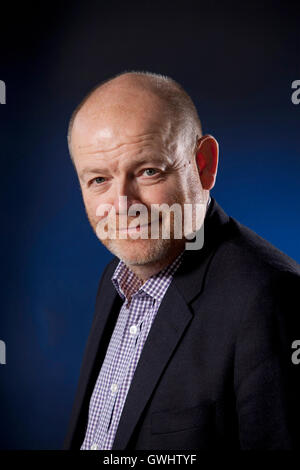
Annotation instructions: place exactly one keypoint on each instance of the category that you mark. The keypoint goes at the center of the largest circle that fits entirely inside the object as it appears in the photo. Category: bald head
(131, 94)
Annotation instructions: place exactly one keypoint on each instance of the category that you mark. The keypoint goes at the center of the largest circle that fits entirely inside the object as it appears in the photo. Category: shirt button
(114, 388)
(94, 447)
(133, 330)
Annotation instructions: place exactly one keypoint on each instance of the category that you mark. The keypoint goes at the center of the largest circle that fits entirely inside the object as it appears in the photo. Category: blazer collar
(189, 278)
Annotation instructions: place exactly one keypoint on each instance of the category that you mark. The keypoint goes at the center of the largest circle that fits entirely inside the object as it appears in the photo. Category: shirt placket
(99, 434)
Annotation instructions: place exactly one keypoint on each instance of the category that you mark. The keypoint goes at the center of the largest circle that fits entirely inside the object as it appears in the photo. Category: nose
(125, 195)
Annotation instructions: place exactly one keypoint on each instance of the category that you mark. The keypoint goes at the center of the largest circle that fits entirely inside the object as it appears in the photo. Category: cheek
(91, 204)
(166, 192)
(192, 187)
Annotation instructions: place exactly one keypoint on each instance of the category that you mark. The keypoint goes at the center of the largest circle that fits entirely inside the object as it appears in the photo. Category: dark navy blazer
(216, 370)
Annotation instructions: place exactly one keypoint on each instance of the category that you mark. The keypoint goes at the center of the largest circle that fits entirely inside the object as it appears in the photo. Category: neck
(145, 271)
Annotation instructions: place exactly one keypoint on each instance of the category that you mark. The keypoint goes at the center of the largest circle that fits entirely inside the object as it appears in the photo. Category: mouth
(135, 229)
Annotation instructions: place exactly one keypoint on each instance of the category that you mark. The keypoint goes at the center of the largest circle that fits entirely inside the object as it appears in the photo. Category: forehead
(118, 119)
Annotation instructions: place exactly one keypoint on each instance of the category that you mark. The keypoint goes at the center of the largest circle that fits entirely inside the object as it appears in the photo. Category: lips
(136, 228)
(132, 229)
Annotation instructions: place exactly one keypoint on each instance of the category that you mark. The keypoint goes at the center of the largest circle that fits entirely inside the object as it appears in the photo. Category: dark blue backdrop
(236, 61)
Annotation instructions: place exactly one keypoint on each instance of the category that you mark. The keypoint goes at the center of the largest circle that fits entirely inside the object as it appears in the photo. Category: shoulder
(263, 285)
(249, 261)
(251, 280)
(258, 249)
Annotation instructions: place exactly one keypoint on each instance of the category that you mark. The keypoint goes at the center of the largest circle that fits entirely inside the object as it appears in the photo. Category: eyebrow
(137, 163)
(91, 171)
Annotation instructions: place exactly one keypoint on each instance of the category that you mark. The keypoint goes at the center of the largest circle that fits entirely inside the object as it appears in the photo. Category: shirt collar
(128, 284)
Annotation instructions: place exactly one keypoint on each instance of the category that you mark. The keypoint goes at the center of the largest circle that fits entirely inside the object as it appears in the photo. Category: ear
(207, 154)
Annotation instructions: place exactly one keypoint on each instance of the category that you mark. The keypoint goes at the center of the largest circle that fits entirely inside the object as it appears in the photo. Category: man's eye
(98, 180)
(151, 171)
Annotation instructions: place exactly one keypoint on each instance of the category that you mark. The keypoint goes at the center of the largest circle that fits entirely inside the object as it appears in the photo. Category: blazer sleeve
(267, 382)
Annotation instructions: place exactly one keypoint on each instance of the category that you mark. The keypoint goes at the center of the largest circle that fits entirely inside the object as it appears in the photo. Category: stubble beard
(138, 252)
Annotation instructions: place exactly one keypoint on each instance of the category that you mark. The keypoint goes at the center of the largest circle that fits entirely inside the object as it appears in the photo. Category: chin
(138, 252)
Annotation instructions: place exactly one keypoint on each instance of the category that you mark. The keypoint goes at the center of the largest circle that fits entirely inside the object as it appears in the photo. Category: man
(189, 348)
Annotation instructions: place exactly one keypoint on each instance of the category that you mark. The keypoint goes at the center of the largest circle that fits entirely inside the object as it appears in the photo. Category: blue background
(237, 61)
